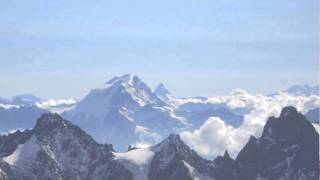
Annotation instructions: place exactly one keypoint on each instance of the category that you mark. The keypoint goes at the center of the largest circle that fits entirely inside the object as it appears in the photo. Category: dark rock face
(8, 143)
(225, 167)
(169, 159)
(174, 160)
(6, 172)
(61, 150)
(288, 148)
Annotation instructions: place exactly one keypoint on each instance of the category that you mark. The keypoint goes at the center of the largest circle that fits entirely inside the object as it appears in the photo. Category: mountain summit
(126, 91)
(164, 94)
(161, 90)
(287, 149)
(59, 150)
(130, 111)
(135, 87)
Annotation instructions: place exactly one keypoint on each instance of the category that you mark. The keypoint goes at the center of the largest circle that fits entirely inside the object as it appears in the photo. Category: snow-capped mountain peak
(123, 104)
(164, 94)
(124, 91)
(161, 90)
(127, 78)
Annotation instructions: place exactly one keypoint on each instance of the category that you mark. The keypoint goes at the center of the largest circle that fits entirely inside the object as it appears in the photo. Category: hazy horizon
(152, 87)
(59, 49)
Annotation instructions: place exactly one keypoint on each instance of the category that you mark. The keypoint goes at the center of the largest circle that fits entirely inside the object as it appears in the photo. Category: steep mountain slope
(9, 142)
(287, 149)
(173, 160)
(127, 108)
(164, 94)
(58, 149)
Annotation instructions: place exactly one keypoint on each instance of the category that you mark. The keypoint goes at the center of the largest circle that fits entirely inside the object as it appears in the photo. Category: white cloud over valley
(215, 136)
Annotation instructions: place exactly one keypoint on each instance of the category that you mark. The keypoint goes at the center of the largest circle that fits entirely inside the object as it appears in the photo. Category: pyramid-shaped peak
(161, 90)
(49, 118)
(226, 155)
(48, 122)
(174, 138)
(172, 141)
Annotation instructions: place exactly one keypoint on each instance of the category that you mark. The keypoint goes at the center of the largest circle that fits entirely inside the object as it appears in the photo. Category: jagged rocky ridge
(287, 149)
(57, 149)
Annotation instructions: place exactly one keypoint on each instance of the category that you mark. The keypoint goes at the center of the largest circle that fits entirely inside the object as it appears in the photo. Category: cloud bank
(214, 136)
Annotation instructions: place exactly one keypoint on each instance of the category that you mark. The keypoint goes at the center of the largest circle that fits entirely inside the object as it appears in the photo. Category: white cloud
(211, 138)
(57, 105)
(56, 102)
(214, 136)
(137, 156)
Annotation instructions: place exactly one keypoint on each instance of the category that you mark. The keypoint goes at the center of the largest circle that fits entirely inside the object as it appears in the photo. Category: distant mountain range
(21, 111)
(57, 149)
(300, 90)
(125, 111)
(303, 90)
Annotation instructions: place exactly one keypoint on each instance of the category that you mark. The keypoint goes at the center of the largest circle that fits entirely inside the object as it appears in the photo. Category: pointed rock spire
(226, 155)
(161, 90)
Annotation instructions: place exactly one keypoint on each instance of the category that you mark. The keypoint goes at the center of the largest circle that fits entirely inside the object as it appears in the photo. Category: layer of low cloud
(214, 136)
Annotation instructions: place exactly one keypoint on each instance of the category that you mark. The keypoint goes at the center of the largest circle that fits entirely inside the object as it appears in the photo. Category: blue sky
(195, 47)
